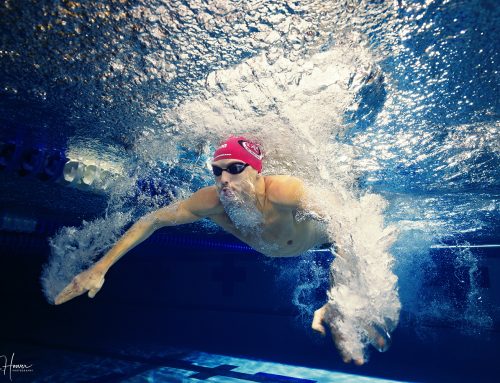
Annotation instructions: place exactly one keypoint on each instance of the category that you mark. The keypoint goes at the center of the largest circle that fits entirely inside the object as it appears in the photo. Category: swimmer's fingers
(74, 289)
(318, 319)
(346, 357)
(359, 361)
(338, 339)
(94, 291)
(379, 337)
(90, 280)
(324, 317)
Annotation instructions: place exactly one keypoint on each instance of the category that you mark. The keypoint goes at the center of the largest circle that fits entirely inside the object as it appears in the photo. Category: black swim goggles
(234, 168)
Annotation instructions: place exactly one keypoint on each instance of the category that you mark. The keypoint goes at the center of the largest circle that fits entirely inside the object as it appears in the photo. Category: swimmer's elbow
(150, 223)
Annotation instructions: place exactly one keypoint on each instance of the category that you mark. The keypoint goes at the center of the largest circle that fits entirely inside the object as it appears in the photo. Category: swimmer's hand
(323, 317)
(90, 280)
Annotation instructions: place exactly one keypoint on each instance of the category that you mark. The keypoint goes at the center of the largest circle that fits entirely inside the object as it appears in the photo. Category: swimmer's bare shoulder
(284, 191)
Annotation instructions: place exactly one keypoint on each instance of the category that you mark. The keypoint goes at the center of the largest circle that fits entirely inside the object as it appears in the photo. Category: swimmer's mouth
(227, 192)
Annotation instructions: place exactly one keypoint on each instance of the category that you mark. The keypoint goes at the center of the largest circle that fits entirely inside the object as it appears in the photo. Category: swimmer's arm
(201, 204)
(290, 192)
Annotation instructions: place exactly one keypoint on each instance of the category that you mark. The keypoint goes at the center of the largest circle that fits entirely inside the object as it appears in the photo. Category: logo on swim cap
(251, 148)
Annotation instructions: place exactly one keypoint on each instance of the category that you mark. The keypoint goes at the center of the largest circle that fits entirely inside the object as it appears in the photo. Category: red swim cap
(239, 148)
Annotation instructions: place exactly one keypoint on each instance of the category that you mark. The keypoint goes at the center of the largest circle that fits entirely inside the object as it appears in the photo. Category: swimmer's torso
(281, 234)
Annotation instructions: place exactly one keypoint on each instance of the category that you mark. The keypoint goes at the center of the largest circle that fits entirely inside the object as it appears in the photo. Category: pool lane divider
(47, 164)
(53, 165)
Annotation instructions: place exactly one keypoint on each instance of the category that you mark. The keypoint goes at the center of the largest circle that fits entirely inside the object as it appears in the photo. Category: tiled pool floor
(170, 365)
(225, 369)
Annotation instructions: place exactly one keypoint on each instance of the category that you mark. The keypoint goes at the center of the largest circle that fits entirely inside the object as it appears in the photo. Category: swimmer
(261, 211)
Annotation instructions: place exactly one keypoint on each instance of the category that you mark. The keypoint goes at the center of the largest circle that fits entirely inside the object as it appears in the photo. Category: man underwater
(268, 213)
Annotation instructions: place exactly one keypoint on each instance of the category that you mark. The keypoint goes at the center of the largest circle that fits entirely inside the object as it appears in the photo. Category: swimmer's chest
(278, 226)
(289, 236)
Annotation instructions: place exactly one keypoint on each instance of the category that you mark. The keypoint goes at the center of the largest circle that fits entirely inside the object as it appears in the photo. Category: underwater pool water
(110, 109)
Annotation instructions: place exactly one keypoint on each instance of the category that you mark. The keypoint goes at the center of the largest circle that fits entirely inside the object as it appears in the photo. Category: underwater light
(31, 160)
(94, 176)
(79, 169)
(90, 169)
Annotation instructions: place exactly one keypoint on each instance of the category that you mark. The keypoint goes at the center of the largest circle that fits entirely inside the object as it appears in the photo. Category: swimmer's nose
(223, 185)
(224, 178)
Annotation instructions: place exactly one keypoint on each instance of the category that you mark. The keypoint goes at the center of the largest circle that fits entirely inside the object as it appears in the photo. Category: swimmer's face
(235, 186)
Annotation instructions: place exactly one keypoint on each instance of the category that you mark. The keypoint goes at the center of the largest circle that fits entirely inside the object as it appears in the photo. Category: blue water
(394, 98)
